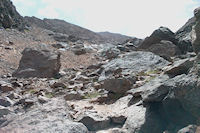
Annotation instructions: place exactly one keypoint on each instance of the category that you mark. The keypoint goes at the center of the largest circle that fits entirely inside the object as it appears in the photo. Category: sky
(138, 18)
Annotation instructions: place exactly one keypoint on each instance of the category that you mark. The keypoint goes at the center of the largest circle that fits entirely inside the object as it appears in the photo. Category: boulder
(78, 49)
(141, 120)
(38, 61)
(117, 85)
(94, 122)
(162, 33)
(61, 37)
(108, 51)
(185, 89)
(131, 64)
(73, 95)
(170, 104)
(61, 45)
(129, 45)
(5, 87)
(180, 67)
(5, 102)
(4, 111)
(153, 91)
(165, 49)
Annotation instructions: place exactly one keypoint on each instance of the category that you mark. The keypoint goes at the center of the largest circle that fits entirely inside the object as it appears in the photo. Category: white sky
(137, 18)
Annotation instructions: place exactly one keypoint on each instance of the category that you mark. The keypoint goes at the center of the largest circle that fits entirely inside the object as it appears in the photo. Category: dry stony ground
(12, 43)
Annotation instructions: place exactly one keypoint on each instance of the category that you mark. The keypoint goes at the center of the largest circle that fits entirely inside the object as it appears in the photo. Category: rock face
(162, 33)
(9, 17)
(183, 35)
(38, 62)
(196, 32)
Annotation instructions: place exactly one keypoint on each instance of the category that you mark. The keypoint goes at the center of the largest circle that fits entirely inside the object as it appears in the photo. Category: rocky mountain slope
(9, 17)
(61, 26)
(53, 82)
(114, 37)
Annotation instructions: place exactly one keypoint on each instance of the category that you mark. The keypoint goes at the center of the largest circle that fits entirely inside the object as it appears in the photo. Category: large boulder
(196, 32)
(165, 49)
(162, 33)
(185, 89)
(180, 67)
(171, 104)
(144, 120)
(131, 64)
(9, 17)
(39, 61)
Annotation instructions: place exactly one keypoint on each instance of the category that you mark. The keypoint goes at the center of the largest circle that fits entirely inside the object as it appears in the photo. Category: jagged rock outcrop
(9, 17)
(38, 61)
(183, 35)
(162, 33)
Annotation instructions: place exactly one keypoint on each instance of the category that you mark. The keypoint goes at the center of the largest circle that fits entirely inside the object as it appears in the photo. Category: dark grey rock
(131, 64)
(5, 102)
(73, 95)
(162, 33)
(183, 35)
(61, 45)
(165, 49)
(180, 67)
(9, 17)
(94, 122)
(39, 61)
(4, 111)
(109, 53)
(60, 37)
(117, 85)
(78, 49)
